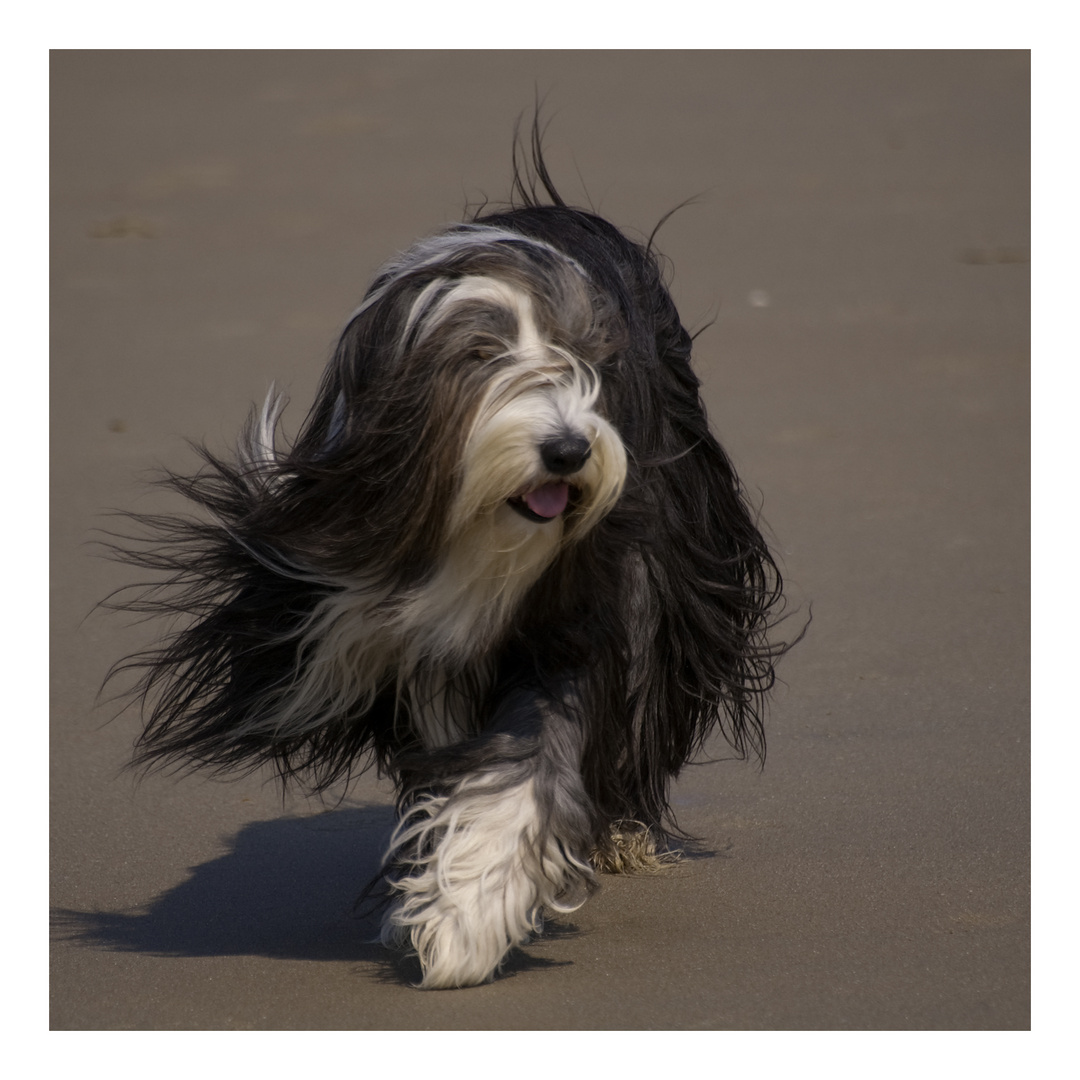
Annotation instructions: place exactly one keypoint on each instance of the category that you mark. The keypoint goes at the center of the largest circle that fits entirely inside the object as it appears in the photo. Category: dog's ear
(712, 585)
(715, 590)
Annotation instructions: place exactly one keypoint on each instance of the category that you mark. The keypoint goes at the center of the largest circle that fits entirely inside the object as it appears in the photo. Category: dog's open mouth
(544, 503)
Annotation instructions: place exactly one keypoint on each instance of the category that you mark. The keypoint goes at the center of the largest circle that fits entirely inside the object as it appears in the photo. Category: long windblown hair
(504, 558)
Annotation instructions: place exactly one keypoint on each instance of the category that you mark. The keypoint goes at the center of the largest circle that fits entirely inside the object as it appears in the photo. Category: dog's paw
(632, 848)
(477, 869)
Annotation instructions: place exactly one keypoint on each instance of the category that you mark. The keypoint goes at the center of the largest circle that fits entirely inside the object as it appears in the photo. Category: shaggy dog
(504, 559)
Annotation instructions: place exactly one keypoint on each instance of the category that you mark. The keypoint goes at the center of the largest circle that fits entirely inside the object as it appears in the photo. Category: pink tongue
(548, 501)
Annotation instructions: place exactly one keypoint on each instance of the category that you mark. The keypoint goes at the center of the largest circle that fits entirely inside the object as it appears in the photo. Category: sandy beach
(859, 239)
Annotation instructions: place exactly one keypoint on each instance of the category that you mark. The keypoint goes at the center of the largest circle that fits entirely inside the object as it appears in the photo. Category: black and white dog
(504, 559)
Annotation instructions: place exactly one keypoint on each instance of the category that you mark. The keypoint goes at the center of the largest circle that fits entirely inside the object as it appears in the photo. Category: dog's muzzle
(562, 456)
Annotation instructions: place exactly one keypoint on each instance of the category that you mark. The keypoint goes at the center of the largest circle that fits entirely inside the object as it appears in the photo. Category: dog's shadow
(289, 888)
(286, 888)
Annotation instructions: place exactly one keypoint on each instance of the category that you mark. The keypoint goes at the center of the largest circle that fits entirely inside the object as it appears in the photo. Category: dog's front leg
(494, 831)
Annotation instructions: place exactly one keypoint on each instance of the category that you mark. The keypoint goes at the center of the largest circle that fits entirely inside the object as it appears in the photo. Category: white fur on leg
(484, 867)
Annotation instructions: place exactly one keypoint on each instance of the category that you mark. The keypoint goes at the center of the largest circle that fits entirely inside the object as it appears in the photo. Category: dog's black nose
(565, 453)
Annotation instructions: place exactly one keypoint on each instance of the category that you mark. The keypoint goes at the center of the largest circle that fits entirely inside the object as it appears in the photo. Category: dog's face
(469, 386)
(538, 457)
